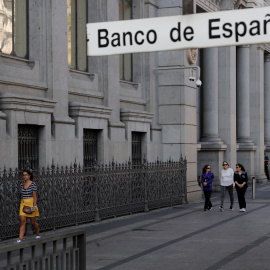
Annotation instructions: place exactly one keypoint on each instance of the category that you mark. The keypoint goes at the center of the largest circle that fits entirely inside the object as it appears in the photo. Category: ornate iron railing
(57, 251)
(74, 195)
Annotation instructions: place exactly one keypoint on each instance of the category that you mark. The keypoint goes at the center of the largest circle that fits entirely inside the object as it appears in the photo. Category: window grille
(77, 45)
(126, 60)
(90, 152)
(136, 148)
(14, 28)
(28, 144)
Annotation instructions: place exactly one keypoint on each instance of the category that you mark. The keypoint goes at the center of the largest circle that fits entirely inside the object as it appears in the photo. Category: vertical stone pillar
(177, 107)
(210, 96)
(246, 148)
(267, 102)
(257, 109)
(211, 147)
(112, 95)
(242, 95)
(227, 101)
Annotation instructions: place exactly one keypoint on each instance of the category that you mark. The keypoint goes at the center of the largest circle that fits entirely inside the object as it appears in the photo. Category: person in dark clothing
(207, 184)
(266, 159)
(241, 184)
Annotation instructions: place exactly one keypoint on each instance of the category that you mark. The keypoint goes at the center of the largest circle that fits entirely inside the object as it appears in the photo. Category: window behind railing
(14, 27)
(76, 29)
(90, 147)
(136, 148)
(28, 144)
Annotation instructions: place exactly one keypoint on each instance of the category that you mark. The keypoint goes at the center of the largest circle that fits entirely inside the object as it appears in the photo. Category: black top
(241, 178)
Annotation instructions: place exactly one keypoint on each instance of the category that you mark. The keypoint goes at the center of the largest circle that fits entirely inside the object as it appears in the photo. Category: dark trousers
(241, 196)
(266, 169)
(207, 202)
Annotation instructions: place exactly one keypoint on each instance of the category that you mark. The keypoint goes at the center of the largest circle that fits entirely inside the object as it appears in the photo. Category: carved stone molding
(238, 4)
(136, 116)
(26, 103)
(209, 6)
(89, 111)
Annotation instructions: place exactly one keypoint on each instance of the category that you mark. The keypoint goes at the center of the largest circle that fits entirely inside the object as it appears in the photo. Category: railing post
(76, 191)
(253, 187)
(4, 207)
(81, 242)
(96, 173)
(53, 193)
(145, 174)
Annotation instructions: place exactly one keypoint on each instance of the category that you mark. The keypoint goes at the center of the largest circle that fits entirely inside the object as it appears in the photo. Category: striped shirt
(28, 193)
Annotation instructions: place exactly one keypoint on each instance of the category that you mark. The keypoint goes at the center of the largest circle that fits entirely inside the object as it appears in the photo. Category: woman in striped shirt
(29, 198)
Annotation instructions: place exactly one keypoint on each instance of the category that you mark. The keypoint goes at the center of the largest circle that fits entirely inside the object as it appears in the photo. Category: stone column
(210, 96)
(246, 148)
(211, 147)
(243, 95)
(267, 102)
(227, 102)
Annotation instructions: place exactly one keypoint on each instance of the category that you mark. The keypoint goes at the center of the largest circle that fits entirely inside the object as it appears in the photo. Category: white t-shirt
(226, 178)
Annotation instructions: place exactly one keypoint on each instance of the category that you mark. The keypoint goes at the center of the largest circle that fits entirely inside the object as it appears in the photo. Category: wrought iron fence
(57, 251)
(73, 195)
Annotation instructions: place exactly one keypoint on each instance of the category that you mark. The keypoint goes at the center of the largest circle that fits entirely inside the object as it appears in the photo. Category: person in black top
(266, 159)
(241, 184)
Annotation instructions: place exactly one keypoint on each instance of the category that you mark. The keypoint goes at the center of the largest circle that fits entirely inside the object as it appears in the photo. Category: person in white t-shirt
(226, 183)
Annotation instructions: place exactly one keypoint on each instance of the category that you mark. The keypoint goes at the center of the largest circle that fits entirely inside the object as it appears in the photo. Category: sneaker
(19, 241)
(221, 208)
(242, 210)
(38, 236)
(231, 207)
(210, 208)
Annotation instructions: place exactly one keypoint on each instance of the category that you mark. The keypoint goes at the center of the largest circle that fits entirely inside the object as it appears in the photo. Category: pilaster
(257, 109)
(267, 102)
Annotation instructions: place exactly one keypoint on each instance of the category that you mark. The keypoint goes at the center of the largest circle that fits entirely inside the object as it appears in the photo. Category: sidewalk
(186, 237)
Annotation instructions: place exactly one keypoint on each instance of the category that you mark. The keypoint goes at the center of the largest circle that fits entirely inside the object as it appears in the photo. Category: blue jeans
(223, 193)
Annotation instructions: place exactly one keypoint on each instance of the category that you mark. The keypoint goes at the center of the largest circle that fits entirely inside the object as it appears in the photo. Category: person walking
(226, 183)
(28, 198)
(207, 184)
(266, 160)
(241, 184)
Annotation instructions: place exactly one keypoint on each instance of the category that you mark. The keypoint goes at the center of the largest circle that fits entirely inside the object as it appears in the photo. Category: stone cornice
(26, 103)
(24, 85)
(89, 111)
(136, 116)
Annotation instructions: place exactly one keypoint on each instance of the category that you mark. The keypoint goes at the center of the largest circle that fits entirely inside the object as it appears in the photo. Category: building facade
(58, 104)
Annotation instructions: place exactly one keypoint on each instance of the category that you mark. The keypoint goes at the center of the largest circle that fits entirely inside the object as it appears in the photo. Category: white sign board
(203, 30)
